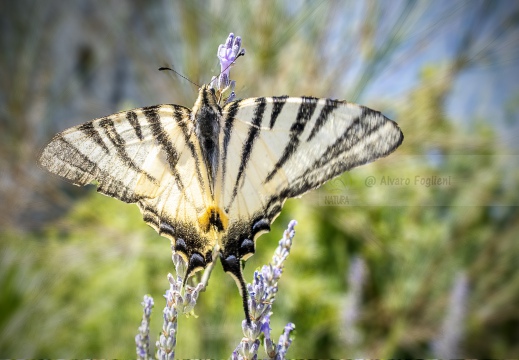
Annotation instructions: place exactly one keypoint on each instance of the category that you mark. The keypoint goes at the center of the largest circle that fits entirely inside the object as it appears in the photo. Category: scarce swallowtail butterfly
(214, 177)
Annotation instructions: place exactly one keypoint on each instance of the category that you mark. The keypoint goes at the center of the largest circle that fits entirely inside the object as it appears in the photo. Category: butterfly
(213, 178)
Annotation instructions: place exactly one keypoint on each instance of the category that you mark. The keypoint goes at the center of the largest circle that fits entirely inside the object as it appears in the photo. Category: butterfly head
(207, 98)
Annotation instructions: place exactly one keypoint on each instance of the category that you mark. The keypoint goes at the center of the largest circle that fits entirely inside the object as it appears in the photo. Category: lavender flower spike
(352, 306)
(179, 300)
(227, 54)
(142, 339)
(448, 343)
(285, 341)
(262, 293)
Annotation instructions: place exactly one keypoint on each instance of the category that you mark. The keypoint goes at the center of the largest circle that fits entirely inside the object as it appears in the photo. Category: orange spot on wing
(213, 217)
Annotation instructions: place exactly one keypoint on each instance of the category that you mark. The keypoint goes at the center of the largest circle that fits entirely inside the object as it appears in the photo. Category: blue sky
(486, 88)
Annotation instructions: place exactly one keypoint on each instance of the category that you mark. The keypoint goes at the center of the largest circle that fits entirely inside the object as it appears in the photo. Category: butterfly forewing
(149, 156)
(281, 147)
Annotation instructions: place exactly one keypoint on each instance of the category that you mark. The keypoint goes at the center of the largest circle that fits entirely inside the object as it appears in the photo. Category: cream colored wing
(149, 156)
(281, 147)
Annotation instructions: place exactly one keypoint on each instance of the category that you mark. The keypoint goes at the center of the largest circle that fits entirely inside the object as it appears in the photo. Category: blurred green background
(395, 268)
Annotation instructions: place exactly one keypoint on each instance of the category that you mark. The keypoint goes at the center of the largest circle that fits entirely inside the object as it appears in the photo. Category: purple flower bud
(265, 326)
(289, 327)
(245, 348)
(237, 45)
(231, 97)
(234, 355)
(170, 328)
(162, 341)
(276, 273)
(291, 225)
(178, 299)
(224, 77)
(251, 331)
(229, 41)
(270, 348)
(141, 352)
(253, 306)
(227, 54)
(255, 346)
(171, 341)
(188, 298)
(266, 272)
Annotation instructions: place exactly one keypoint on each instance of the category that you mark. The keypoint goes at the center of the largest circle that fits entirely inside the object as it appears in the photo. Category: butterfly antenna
(179, 74)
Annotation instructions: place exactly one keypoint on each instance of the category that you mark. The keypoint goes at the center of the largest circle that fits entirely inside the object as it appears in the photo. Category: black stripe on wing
(354, 134)
(360, 129)
(227, 131)
(180, 117)
(91, 132)
(64, 159)
(329, 162)
(327, 109)
(116, 139)
(131, 116)
(162, 138)
(253, 134)
(306, 110)
(279, 102)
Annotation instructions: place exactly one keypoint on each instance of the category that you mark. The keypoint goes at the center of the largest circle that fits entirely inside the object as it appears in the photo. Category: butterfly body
(215, 177)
